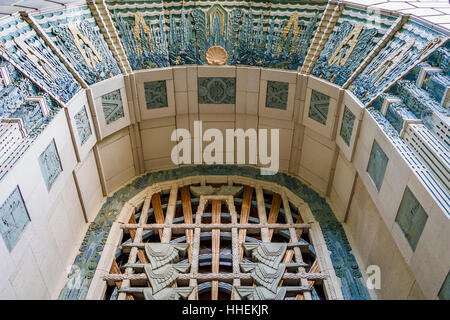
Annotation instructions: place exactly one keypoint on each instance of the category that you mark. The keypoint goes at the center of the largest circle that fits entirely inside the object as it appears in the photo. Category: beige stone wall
(37, 266)
(140, 142)
(373, 244)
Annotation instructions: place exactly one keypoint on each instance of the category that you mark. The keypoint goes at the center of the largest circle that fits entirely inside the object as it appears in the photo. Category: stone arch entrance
(221, 236)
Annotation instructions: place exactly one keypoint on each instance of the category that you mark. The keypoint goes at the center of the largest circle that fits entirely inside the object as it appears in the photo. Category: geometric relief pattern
(277, 95)
(112, 106)
(13, 218)
(347, 125)
(377, 165)
(267, 270)
(318, 109)
(345, 49)
(50, 164)
(411, 218)
(155, 94)
(82, 124)
(85, 48)
(216, 90)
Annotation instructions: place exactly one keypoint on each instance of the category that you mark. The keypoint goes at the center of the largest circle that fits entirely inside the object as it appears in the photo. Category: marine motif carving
(344, 51)
(155, 94)
(24, 109)
(348, 120)
(216, 55)
(277, 95)
(377, 165)
(245, 39)
(216, 90)
(83, 125)
(50, 164)
(84, 46)
(35, 59)
(112, 106)
(318, 108)
(13, 218)
(395, 59)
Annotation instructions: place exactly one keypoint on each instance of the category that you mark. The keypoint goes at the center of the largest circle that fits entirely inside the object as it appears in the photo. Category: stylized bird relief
(209, 190)
(162, 269)
(260, 293)
(264, 275)
(269, 254)
(268, 270)
(160, 254)
(164, 294)
(165, 275)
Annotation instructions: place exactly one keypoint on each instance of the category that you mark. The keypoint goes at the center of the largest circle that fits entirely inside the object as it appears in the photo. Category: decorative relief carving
(344, 262)
(377, 165)
(260, 293)
(27, 50)
(437, 84)
(318, 108)
(155, 94)
(216, 56)
(216, 90)
(162, 271)
(209, 190)
(112, 106)
(144, 42)
(411, 218)
(411, 43)
(84, 46)
(24, 109)
(13, 218)
(246, 39)
(50, 164)
(345, 49)
(83, 125)
(348, 120)
(267, 271)
(277, 95)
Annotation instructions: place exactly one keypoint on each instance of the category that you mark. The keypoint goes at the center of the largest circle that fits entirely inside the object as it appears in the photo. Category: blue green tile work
(13, 218)
(348, 120)
(436, 83)
(252, 32)
(318, 109)
(83, 125)
(112, 106)
(377, 165)
(155, 94)
(216, 90)
(411, 218)
(277, 95)
(444, 293)
(85, 263)
(50, 164)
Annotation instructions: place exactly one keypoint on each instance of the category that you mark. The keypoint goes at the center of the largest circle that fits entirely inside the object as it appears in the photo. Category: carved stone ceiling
(434, 11)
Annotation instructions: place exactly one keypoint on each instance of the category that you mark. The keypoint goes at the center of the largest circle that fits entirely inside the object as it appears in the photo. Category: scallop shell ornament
(217, 56)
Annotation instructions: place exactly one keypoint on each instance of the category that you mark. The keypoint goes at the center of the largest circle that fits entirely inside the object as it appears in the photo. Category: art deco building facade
(92, 205)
